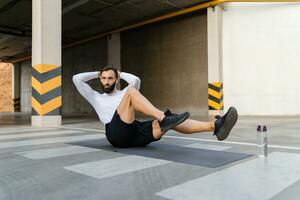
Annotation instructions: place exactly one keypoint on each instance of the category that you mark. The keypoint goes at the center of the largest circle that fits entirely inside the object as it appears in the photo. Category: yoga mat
(175, 153)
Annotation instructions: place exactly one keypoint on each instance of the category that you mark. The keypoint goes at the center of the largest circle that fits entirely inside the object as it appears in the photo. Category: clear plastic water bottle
(262, 141)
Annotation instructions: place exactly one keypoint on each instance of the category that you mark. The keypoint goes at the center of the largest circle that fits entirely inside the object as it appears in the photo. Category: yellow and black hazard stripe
(16, 103)
(215, 96)
(46, 90)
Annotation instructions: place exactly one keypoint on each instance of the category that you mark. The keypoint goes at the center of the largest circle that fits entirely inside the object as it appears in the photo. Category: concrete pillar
(114, 50)
(16, 87)
(215, 64)
(46, 63)
(25, 86)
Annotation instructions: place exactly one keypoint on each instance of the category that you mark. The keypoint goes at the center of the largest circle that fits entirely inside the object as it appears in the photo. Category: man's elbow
(138, 83)
(75, 79)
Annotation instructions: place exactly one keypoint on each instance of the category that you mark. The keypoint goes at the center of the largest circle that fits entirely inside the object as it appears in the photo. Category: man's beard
(108, 88)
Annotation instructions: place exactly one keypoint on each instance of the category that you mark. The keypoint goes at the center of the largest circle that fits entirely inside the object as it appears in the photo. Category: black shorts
(124, 135)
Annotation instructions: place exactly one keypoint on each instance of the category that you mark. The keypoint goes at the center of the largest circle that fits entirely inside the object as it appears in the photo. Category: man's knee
(126, 101)
(131, 91)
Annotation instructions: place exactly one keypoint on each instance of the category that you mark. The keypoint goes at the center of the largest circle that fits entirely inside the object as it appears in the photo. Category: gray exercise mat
(175, 153)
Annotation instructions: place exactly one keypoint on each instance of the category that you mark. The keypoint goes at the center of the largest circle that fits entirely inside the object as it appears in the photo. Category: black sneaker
(170, 122)
(223, 125)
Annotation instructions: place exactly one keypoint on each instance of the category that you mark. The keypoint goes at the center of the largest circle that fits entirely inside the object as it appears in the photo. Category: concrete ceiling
(81, 19)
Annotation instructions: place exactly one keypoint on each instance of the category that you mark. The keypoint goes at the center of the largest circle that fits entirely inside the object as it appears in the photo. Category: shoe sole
(165, 129)
(229, 123)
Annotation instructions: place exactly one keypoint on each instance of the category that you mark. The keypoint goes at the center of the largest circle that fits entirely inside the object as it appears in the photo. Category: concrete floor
(44, 163)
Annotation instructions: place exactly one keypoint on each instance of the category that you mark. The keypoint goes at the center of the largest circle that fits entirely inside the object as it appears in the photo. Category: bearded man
(116, 110)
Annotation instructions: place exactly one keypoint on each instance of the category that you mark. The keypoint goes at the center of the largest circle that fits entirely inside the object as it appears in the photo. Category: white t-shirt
(104, 104)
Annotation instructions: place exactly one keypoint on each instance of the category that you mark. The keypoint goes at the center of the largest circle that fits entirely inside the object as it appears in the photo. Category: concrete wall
(25, 86)
(170, 57)
(86, 57)
(114, 50)
(261, 58)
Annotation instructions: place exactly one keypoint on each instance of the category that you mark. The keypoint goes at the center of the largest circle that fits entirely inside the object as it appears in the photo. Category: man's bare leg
(189, 126)
(134, 101)
(194, 126)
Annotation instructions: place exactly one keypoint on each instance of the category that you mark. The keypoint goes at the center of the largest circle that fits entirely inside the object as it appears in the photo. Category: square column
(46, 63)
(215, 64)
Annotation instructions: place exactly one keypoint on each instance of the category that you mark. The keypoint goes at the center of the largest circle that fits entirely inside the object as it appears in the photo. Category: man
(116, 109)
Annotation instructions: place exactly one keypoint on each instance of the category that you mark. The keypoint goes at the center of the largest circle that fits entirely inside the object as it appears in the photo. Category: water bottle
(262, 141)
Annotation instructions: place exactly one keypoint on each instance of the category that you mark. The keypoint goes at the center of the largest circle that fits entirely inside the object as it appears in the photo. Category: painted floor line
(203, 140)
(36, 134)
(50, 141)
(56, 152)
(82, 129)
(231, 142)
(23, 129)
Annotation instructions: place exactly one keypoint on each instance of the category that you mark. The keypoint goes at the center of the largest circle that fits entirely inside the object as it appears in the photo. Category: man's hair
(107, 68)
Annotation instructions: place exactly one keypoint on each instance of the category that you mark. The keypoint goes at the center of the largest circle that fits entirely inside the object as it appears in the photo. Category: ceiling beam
(104, 2)
(170, 3)
(74, 5)
(15, 32)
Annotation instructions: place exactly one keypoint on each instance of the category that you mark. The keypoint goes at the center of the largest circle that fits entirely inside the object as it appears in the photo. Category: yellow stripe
(221, 104)
(217, 84)
(215, 105)
(35, 104)
(51, 105)
(36, 84)
(46, 107)
(215, 93)
(47, 86)
(42, 68)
